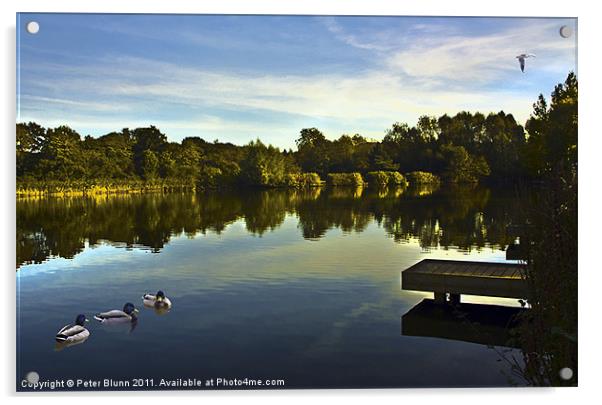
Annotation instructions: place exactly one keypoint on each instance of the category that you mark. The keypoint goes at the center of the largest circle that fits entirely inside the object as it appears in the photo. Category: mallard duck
(128, 314)
(74, 332)
(158, 300)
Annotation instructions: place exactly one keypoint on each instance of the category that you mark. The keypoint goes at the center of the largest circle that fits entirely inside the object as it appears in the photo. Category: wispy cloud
(426, 68)
(58, 103)
(485, 58)
(331, 24)
(441, 53)
(375, 96)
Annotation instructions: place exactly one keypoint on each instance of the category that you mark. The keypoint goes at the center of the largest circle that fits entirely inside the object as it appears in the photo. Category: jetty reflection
(491, 325)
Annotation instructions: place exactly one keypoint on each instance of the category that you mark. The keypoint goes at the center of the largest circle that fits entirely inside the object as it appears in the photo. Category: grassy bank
(75, 188)
(33, 188)
(71, 189)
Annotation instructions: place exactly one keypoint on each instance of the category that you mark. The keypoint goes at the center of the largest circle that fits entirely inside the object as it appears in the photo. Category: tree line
(462, 148)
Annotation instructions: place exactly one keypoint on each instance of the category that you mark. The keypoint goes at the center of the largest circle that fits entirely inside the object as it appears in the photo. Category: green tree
(502, 145)
(552, 130)
(150, 165)
(146, 139)
(263, 165)
(188, 158)
(61, 155)
(461, 167)
(109, 157)
(167, 162)
(381, 159)
(313, 151)
(29, 139)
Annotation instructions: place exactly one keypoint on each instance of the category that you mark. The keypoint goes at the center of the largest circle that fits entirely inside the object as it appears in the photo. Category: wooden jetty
(453, 277)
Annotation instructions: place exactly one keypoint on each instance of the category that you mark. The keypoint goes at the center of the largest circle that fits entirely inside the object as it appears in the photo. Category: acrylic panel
(242, 202)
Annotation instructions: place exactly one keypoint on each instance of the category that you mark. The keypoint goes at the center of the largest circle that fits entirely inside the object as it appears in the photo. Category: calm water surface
(296, 285)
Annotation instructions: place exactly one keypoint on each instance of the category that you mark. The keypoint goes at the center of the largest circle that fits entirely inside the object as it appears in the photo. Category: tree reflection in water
(466, 218)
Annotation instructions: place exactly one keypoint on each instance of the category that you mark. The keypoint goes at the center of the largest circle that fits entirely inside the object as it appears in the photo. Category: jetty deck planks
(466, 277)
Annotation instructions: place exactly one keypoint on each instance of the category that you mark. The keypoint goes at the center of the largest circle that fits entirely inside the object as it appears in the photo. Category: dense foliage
(345, 179)
(265, 165)
(463, 148)
(382, 179)
(549, 335)
(422, 178)
(301, 180)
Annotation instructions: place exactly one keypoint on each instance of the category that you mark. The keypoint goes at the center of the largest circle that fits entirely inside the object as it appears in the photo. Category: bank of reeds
(81, 188)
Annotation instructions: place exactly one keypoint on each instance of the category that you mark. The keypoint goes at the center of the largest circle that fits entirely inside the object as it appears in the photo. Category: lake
(302, 286)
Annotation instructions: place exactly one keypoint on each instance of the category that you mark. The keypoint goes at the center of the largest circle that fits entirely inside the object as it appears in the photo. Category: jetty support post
(440, 297)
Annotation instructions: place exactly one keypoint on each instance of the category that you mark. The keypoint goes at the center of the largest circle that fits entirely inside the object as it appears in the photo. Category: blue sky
(238, 78)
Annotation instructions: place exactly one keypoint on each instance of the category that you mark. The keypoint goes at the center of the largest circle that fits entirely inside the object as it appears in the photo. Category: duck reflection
(58, 346)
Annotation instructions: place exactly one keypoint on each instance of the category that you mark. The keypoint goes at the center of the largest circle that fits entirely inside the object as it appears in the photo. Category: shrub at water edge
(302, 180)
(386, 178)
(422, 178)
(345, 179)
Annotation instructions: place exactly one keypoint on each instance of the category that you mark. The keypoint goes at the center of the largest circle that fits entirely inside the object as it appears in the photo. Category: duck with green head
(128, 314)
(158, 300)
(74, 332)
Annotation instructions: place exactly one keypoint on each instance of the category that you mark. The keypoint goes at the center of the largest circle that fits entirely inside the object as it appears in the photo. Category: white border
(589, 151)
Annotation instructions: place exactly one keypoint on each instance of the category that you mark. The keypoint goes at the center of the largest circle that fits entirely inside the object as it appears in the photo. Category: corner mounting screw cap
(566, 373)
(566, 31)
(32, 377)
(33, 27)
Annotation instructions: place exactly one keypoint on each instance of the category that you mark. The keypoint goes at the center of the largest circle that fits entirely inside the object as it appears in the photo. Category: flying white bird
(521, 60)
